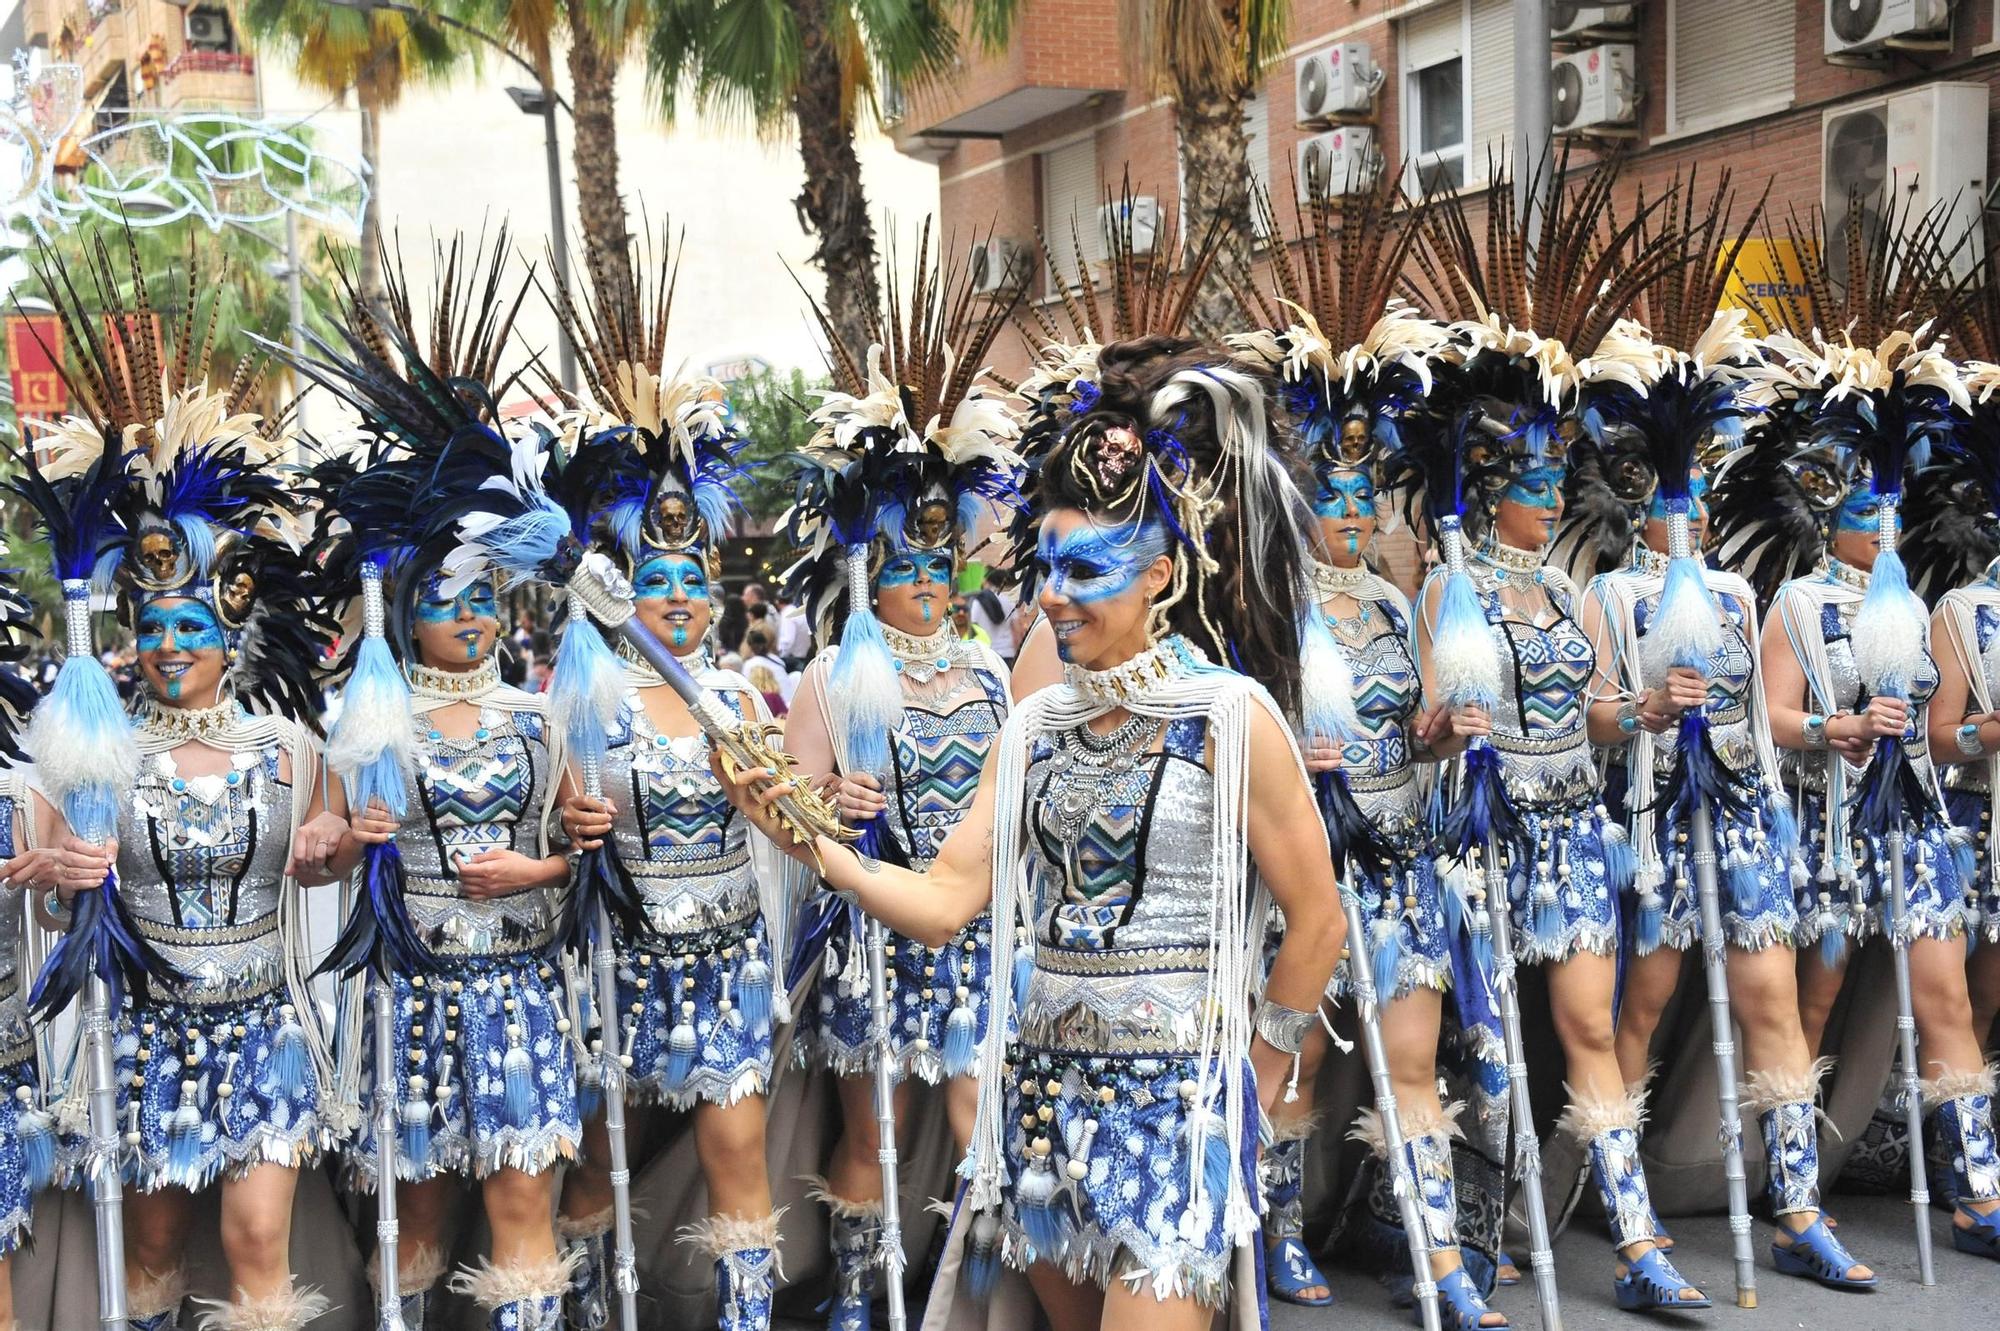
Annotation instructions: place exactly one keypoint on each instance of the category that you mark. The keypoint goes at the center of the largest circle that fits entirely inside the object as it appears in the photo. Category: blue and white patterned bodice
(201, 863)
(1731, 668)
(16, 1037)
(1835, 605)
(684, 844)
(1544, 671)
(1378, 766)
(1982, 600)
(939, 755)
(485, 792)
(1122, 871)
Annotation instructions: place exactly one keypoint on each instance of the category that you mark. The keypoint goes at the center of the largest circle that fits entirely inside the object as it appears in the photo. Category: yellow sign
(1767, 280)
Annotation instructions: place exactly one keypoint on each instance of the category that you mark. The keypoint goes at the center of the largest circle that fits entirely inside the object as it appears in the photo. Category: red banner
(34, 365)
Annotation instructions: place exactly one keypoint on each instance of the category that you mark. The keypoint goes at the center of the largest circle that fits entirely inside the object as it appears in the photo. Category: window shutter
(1070, 197)
(1433, 35)
(1726, 55)
(1492, 72)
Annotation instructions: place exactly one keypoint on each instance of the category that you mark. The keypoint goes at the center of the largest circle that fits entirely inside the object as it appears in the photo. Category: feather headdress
(910, 448)
(1952, 533)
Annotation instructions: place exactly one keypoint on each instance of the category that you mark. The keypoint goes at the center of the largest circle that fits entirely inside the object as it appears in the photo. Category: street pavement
(1879, 1230)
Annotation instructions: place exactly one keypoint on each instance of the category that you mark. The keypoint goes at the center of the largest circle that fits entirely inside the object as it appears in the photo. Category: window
(1257, 144)
(1434, 101)
(1070, 196)
(1727, 60)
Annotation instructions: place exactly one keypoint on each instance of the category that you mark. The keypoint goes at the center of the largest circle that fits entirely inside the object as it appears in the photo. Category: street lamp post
(1534, 151)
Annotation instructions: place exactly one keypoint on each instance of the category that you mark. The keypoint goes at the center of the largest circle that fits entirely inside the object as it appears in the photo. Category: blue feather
(376, 687)
(379, 931)
(856, 683)
(1388, 956)
(200, 540)
(1484, 814)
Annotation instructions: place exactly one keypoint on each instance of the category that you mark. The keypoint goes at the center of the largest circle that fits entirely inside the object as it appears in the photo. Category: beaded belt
(736, 914)
(705, 867)
(504, 935)
(1121, 961)
(1372, 783)
(174, 935)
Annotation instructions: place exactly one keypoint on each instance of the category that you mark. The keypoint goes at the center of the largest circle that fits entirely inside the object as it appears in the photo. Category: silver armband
(1283, 1028)
(1814, 731)
(1969, 742)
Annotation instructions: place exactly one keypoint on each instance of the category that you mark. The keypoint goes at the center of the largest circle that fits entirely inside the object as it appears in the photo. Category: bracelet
(1628, 715)
(1814, 731)
(1969, 742)
(1283, 1028)
(52, 902)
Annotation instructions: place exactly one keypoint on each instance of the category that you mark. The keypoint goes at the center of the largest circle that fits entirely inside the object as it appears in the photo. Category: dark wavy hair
(1207, 471)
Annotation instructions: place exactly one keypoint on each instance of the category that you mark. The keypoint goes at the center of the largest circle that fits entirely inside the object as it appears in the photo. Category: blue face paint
(1093, 563)
(1537, 487)
(1344, 494)
(183, 626)
(478, 600)
(1697, 495)
(1860, 512)
(907, 570)
(672, 578)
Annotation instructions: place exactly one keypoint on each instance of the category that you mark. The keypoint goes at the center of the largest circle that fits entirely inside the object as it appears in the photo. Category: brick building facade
(1033, 137)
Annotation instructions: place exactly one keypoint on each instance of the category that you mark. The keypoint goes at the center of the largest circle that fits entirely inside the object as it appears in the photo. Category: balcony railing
(208, 62)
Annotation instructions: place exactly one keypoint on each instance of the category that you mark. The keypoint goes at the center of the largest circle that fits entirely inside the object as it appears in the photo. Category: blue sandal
(1817, 1255)
(1460, 1306)
(1650, 1281)
(1500, 1269)
(1290, 1268)
(1982, 1239)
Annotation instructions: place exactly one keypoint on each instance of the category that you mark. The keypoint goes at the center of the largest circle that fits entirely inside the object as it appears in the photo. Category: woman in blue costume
(910, 451)
(696, 971)
(29, 1149)
(221, 1070)
(1848, 672)
(1350, 361)
(1496, 450)
(481, 1025)
(1119, 819)
(1653, 409)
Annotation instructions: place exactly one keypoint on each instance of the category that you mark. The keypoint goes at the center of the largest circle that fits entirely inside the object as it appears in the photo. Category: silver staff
(1527, 1151)
(1403, 1183)
(1722, 1029)
(1722, 1039)
(612, 1062)
(1906, 1042)
(890, 1242)
(388, 1232)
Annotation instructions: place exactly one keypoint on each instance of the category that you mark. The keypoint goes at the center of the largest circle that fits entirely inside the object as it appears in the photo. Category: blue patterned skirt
(213, 1089)
(1973, 815)
(714, 988)
(1563, 887)
(1408, 944)
(937, 1002)
(1111, 1196)
(483, 1051)
(1850, 899)
(31, 1156)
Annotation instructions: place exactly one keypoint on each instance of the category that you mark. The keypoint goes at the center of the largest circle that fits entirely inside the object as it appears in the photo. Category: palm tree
(375, 52)
(1206, 56)
(814, 65)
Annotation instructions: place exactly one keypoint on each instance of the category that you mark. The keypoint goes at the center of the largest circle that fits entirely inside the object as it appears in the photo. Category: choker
(697, 663)
(455, 685)
(1645, 559)
(1332, 580)
(1138, 676)
(213, 726)
(921, 660)
(1508, 559)
(1856, 578)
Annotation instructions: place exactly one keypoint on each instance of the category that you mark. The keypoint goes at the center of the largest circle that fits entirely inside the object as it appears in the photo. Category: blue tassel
(587, 683)
(1479, 938)
(291, 1062)
(959, 1045)
(1964, 862)
(1782, 826)
(1833, 949)
(517, 1071)
(379, 931)
(1650, 920)
(1024, 973)
(753, 989)
(1545, 917)
(184, 1140)
(1388, 956)
(1217, 1159)
(1453, 906)
(1034, 1207)
(864, 684)
(415, 1144)
(1621, 863)
(38, 1143)
(1742, 880)
(982, 1261)
(681, 1049)
(1466, 663)
(375, 688)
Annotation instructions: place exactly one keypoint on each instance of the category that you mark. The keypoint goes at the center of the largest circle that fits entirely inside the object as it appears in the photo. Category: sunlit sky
(453, 157)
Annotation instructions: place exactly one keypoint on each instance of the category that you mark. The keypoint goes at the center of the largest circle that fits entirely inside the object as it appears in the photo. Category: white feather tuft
(1685, 630)
(1328, 679)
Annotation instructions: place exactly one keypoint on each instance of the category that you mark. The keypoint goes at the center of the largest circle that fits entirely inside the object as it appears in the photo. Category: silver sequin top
(686, 847)
(16, 1035)
(1378, 766)
(1544, 669)
(482, 793)
(1121, 872)
(201, 862)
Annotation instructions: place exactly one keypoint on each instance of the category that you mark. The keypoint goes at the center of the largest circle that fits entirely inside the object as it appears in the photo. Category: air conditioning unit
(1593, 90)
(1340, 161)
(1569, 21)
(1861, 27)
(1130, 225)
(1337, 81)
(998, 267)
(1927, 145)
(208, 30)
